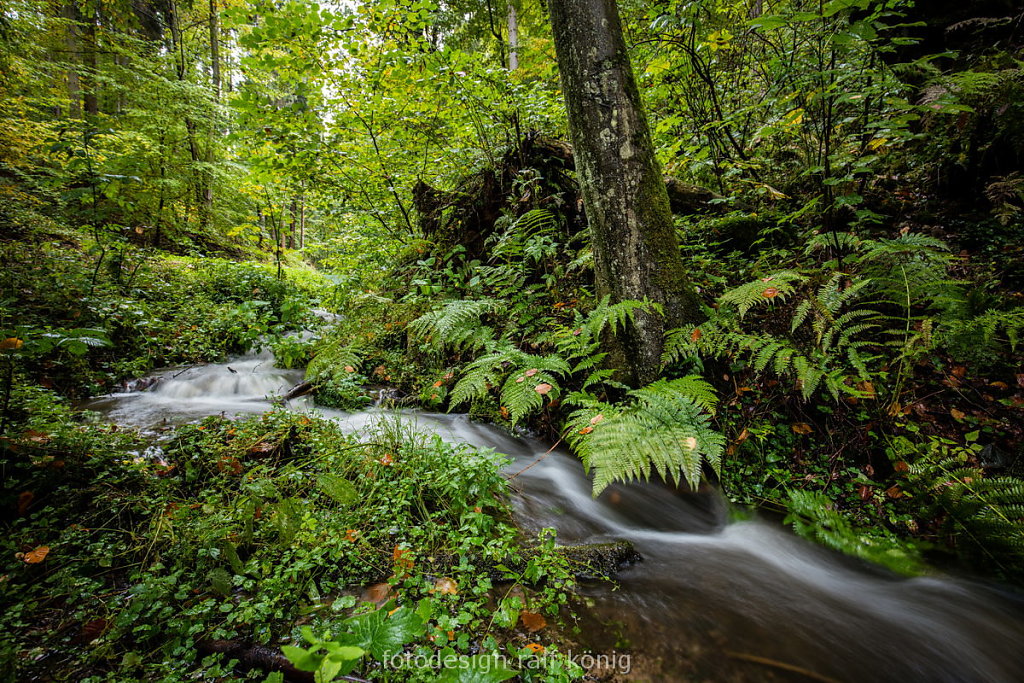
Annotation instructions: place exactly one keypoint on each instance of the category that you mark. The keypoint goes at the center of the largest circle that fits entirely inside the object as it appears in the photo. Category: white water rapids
(711, 600)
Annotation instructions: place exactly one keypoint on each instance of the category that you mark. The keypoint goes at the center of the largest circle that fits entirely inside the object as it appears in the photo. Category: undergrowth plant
(246, 530)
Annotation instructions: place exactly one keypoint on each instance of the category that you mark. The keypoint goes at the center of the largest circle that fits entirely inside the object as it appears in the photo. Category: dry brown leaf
(543, 388)
(535, 648)
(531, 372)
(532, 621)
(586, 430)
(770, 293)
(11, 344)
(801, 428)
(696, 334)
(349, 368)
(37, 555)
(957, 414)
(446, 586)
(597, 418)
(959, 372)
(744, 435)
(864, 491)
(690, 443)
(377, 593)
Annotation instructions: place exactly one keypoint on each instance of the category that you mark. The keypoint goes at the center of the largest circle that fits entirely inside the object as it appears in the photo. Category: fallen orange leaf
(532, 621)
(801, 428)
(535, 648)
(36, 556)
(542, 388)
(957, 414)
(696, 334)
(446, 586)
(770, 293)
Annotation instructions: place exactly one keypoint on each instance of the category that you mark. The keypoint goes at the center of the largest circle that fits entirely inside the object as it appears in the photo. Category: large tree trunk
(636, 255)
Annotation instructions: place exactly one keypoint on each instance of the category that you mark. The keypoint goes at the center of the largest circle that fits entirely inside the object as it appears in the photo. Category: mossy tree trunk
(636, 254)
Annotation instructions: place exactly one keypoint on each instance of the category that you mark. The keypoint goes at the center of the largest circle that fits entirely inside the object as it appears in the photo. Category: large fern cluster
(457, 325)
(984, 515)
(828, 344)
(521, 379)
(663, 428)
(330, 361)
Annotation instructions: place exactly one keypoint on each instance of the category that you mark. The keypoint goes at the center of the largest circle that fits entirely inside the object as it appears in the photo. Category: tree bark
(71, 44)
(636, 254)
(513, 37)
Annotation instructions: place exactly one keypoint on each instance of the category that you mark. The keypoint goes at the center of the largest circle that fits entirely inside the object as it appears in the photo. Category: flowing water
(712, 600)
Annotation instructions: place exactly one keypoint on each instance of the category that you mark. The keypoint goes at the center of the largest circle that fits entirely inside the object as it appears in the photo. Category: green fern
(457, 325)
(778, 285)
(829, 342)
(524, 380)
(814, 516)
(664, 428)
(984, 516)
(330, 361)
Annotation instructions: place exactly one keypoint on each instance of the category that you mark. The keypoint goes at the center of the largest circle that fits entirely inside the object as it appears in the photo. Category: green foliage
(457, 325)
(283, 509)
(829, 342)
(763, 291)
(814, 516)
(982, 514)
(524, 380)
(664, 429)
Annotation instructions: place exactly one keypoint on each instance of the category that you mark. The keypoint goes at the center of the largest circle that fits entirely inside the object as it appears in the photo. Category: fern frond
(778, 285)
(457, 325)
(519, 375)
(331, 360)
(663, 429)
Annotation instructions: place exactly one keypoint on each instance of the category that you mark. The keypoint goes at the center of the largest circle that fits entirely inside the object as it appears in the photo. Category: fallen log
(300, 389)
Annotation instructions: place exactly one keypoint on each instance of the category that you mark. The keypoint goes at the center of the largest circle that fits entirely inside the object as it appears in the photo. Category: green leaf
(220, 581)
(338, 488)
(383, 635)
(301, 658)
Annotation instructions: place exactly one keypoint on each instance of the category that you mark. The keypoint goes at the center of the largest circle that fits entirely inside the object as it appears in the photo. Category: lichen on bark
(636, 255)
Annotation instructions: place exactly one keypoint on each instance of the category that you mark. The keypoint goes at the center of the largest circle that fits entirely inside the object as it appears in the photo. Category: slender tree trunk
(215, 50)
(72, 43)
(513, 37)
(90, 88)
(636, 254)
(302, 220)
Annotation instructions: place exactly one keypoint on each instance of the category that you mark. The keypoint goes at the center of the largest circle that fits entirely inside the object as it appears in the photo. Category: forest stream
(708, 589)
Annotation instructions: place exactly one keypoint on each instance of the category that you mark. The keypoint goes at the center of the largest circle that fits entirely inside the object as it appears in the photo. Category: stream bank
(713, 598)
